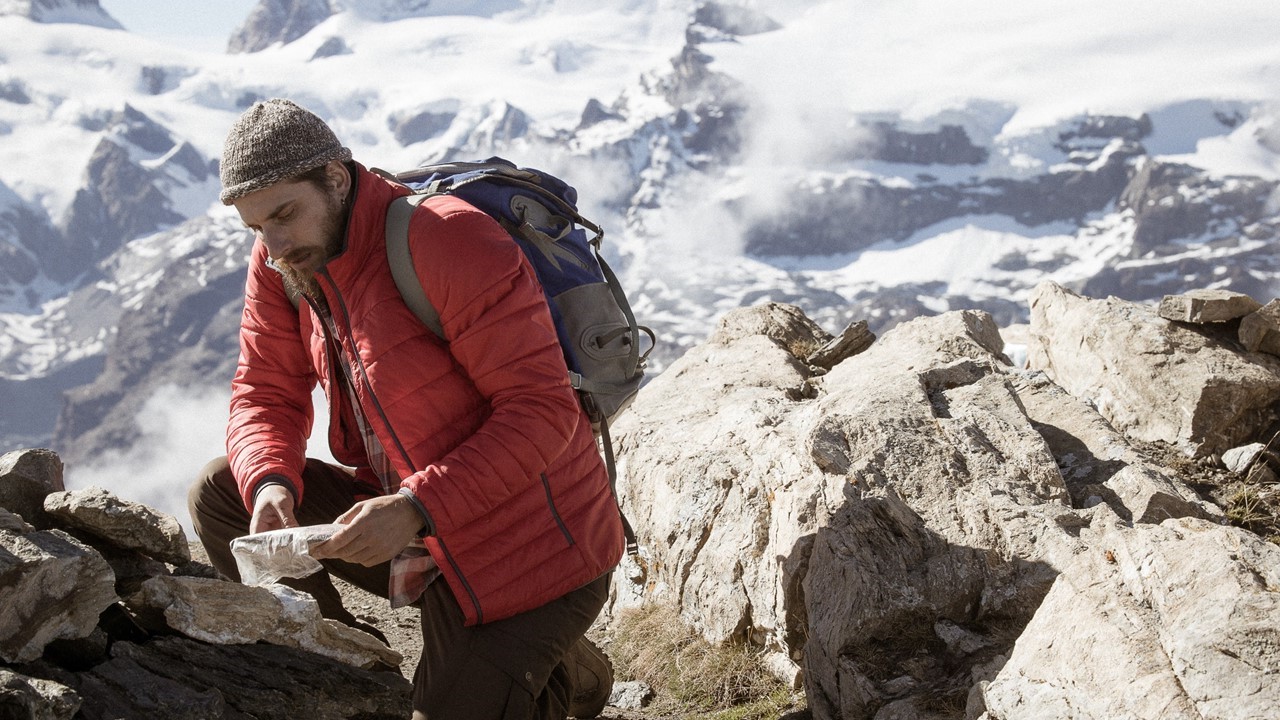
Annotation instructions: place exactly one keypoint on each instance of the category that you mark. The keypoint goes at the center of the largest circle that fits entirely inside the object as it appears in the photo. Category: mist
(181, 429)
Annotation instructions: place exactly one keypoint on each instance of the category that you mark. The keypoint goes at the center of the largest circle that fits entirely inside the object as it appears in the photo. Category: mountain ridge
(122, 273)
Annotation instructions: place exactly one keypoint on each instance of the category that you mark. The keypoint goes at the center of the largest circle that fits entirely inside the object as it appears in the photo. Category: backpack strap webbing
(399, 213)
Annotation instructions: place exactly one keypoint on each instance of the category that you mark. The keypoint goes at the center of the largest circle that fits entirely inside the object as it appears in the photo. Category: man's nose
(277, 243)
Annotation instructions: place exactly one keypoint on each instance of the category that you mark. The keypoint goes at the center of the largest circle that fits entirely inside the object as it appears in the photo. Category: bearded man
(468, 479)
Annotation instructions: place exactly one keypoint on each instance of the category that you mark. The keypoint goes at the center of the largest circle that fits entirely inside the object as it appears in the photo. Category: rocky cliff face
(914, 532)
(278, 21)
(84, 12)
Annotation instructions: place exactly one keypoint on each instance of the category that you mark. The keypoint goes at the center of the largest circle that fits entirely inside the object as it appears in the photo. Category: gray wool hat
(272, 141)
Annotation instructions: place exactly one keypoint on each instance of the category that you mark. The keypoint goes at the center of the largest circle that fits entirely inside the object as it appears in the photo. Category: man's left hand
(375, 531)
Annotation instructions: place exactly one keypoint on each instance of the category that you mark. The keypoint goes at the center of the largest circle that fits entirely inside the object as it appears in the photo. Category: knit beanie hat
(272, 141)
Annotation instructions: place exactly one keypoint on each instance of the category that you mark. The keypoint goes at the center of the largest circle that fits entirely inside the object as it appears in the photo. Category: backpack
(597, 330)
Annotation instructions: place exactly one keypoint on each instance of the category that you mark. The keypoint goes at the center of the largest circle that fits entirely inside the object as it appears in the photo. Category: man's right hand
(272, 510)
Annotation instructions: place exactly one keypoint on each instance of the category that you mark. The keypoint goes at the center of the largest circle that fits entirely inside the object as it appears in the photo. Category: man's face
(301, 226)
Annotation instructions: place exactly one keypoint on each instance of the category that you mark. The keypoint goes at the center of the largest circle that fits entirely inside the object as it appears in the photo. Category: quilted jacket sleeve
(499, 329)
(271, 413)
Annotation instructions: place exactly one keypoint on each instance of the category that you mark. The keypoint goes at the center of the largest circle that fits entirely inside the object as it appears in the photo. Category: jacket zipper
(357, 366)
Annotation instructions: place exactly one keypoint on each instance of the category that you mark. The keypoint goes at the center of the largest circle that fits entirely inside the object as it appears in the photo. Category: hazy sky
(206, 22)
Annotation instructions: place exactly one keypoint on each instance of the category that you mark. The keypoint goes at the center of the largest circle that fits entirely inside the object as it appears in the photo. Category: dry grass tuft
(692, 678)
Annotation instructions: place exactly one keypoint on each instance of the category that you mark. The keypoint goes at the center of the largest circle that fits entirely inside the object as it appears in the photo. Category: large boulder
(1180, 620)
(227, 613)
(176, 677)
(52, 587)
(893, 524)
(26, 477)
(850, 519)
(125, 524)
(1152, 379)
(949, 526)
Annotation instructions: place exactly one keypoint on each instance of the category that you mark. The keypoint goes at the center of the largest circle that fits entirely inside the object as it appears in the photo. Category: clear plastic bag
(264, 558)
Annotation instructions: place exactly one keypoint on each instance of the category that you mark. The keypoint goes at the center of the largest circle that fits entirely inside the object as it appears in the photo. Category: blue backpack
(598, 332)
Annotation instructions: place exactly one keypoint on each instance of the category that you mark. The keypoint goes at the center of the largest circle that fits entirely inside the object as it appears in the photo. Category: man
(470, 481)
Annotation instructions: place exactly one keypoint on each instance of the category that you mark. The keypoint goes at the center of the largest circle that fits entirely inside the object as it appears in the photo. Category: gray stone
(1152, 380)
(852, 341)
(1180, 620)
(1260, 331)
(1207, 306)
(851, 515)
(227, 613)
(26, 477)
(35, 698)
(630, 695)
(1098, 463)
(178, 677)
(14, 523)
(126, 524)
(52, 587)
(1238, 460)
(277, 21)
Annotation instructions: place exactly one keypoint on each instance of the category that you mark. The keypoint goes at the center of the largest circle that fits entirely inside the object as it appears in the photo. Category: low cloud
(181, 430)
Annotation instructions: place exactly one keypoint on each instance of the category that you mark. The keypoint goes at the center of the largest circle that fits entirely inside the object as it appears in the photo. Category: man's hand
(376, 531)
(272, 509)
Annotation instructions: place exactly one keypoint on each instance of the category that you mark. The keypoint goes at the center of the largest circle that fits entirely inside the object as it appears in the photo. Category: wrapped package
(265, 557)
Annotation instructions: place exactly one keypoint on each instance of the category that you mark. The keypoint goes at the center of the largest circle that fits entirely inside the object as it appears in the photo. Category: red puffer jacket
(485, 430)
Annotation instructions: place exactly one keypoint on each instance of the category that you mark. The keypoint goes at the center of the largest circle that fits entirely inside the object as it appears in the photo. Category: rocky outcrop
(1153, 380)
(913, 532)
(83, 12)
(108, 617)
(278, 21)
(847, 214)
(1182, 615)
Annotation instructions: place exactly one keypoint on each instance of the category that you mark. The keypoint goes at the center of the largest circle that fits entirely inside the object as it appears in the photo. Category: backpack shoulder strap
(399, 212)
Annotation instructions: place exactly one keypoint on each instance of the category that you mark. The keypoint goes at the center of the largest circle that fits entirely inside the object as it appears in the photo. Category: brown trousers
(509, 669)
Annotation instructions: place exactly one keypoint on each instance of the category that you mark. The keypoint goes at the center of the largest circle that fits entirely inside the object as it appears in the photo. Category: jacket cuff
(274, 479)
(428, 528)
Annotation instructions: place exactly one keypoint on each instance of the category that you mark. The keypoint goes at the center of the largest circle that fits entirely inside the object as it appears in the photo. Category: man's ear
(339, 177)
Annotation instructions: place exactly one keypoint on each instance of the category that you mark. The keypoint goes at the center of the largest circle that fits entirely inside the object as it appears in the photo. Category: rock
(630, 695)
(179, 677)
(51, 587)
(277, 21)
(331, 47)
(14, 523)
(27, 697)
(1238, 460)
(1098, 463)
(852, 341)
(1260, 330)
(1180, 620)
(26, 477)
(1207, 306)
(226, 613)
(850, 515)
(1152, 380)
(1144, 494)
(126, 524)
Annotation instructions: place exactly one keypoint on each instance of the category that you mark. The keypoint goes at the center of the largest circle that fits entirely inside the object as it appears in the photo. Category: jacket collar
(365, 233)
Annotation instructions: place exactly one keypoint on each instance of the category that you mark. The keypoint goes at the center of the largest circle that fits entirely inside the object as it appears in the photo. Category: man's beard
(303, 282)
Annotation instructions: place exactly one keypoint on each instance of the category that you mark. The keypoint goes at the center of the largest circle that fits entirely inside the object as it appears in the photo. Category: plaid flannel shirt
(413, 568)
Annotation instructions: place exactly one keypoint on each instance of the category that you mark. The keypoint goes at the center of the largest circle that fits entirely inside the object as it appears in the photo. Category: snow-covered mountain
(874, 160)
